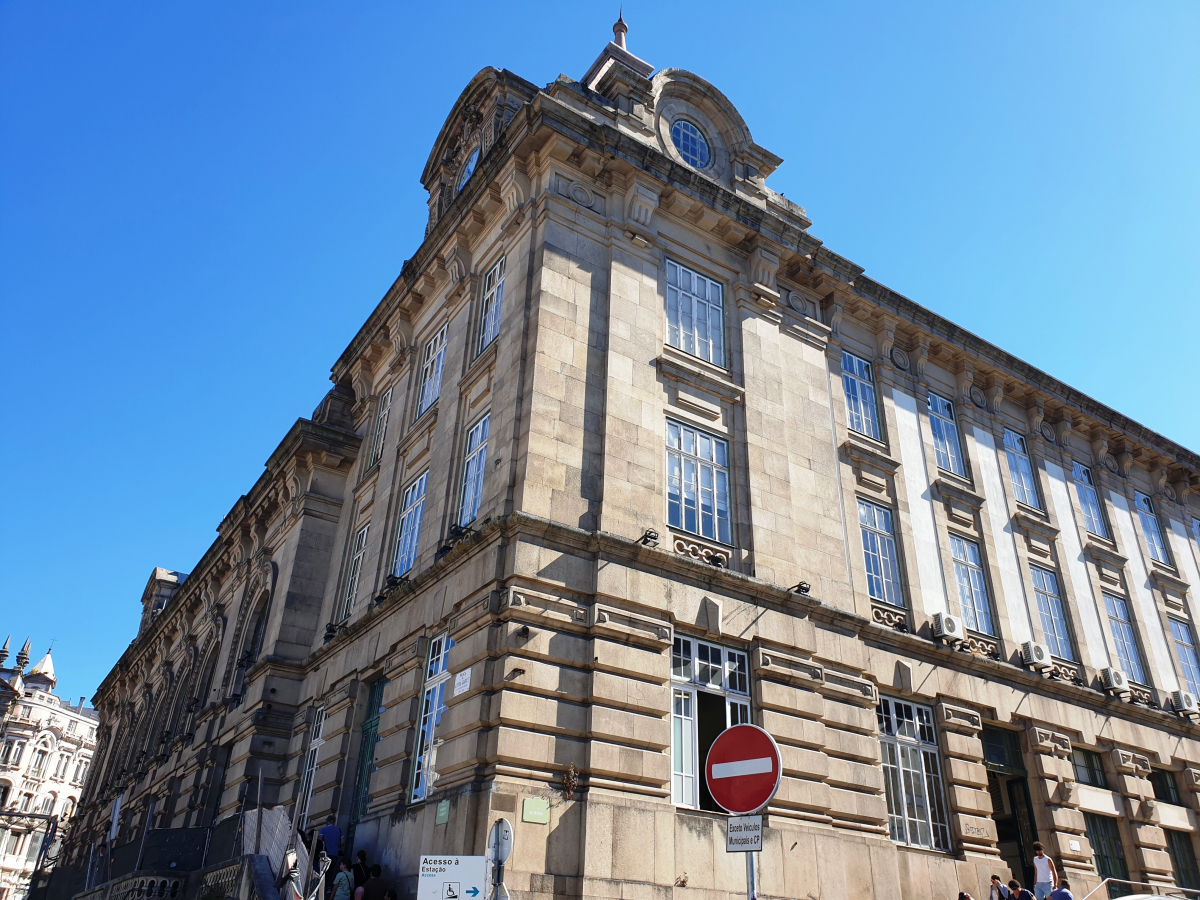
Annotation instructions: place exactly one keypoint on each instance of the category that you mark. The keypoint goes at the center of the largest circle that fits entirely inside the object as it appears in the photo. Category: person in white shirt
(1045, 876)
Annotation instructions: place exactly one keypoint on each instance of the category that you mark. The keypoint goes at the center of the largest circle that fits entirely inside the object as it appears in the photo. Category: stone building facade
(625, 456)
(46, 746)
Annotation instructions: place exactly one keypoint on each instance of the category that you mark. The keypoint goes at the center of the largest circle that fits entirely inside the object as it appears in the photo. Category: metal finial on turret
(4, 649)
(620, 29)
(23, 657)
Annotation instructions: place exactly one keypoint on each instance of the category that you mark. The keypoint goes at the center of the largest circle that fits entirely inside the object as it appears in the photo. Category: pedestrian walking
(362, 871)
(375, 887)
(1045, 875)
(1063, 891)
(343, 884)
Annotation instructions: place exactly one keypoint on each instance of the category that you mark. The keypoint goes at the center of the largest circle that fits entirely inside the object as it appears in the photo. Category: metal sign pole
(751, 887)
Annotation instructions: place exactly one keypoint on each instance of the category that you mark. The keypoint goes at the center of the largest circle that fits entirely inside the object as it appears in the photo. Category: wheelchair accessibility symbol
(450, 890)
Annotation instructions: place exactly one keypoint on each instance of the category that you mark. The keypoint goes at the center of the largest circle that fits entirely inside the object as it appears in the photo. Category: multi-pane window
(71, 727)
(695, 314)
(1019, 469)
(912, 777)
(1165, 788)
(972, 589)
(473, 471)
(81, 768)
(315, 740)
(1183, 859)
(381, 420)
(1185, 649)
(710, 692)
(690, 142)
(879, 553)
(412, 505)
(1128, 654)
(1196, 531)
(697, 482)
(1089, 767)
(356, 561)
(1107, 852)
(1054, 620)
(1151, 528)
(493, 299)
(1089, 501)
(858, 384)
(431, 370)
(433, 707)
(39, 762)
(945, 435)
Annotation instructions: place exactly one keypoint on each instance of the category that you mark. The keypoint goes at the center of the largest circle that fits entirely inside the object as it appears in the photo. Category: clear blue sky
(200, 203)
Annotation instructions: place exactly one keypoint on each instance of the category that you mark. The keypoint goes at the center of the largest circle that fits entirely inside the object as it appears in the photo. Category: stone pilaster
(971, 823)
(1149, 842)
(1053, 782)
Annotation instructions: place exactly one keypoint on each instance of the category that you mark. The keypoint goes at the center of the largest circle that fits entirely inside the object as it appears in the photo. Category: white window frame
(1196, 532)
(699, 666)
(315, 742)
(879, 553)
(1120, 623)
(698, 474)
(433, 362)
(408, 529)
(1020, 469)
(493, 305)
(474, 470)
(1184, 639)
(359, 551)
(1089, 500)
(1053, 613)
(972, 585)
(1151, 528)
(908, 747)
(683, 302)
(947, 445)
(433, 707)
(858, 386)
(381, 422)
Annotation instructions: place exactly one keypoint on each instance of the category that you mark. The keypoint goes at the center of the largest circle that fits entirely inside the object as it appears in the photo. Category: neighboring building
(626, 456)
(46, 746)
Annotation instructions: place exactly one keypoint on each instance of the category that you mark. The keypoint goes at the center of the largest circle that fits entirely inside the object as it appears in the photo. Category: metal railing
(1165, 890)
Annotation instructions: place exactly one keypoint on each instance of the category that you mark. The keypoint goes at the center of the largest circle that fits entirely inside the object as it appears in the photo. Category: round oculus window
(690, 142)
(468, 170)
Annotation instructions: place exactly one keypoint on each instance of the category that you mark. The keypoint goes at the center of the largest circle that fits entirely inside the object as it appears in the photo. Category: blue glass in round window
(690, 143)
(468, 170)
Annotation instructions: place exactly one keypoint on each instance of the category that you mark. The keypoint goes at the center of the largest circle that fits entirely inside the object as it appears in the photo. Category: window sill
(422, 428)
(681, 366)
(486, 356)
(1166, 571)
(889, 616)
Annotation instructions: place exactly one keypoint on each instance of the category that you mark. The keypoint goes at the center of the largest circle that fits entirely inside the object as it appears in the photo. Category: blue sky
(200, 203)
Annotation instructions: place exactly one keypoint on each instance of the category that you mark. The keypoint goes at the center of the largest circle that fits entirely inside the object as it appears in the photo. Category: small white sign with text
(462, 682)
(744, 834)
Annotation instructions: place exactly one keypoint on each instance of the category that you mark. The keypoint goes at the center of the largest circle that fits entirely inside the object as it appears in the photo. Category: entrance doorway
(1012, 806)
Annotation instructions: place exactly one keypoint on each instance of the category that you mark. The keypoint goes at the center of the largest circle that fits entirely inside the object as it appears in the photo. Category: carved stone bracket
(1064, 670)
(706, 553)
(958, 718)
(1129, 763)
(982, 644)
(890, 616)
(1043, 740)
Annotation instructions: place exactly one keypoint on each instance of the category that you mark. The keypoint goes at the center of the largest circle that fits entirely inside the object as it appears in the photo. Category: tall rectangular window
(972, 589)
(1054, 621)
(1019, 469)
(381, 420)
(710, 692)
(1183, 859)
(356, 561)
(1185, 649)
(697, 482)
(695, 314)
(431, 370)
(1089, 767)
(879, 552)
(1151, 528)
(1089, 502)
(310, 764)
(473, 471)
(1196, 531)
(945, 435)
(433, 707)
(1108, 854)
(409, 530)
(1128, 654)
(912, 777)
(862, 415)
(1165, 788)
(493, 299)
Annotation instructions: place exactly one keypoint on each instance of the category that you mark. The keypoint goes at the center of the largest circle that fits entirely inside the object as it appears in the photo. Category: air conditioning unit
(1035, 655)
(1114, 680)
(947, 627)
(1185, 703)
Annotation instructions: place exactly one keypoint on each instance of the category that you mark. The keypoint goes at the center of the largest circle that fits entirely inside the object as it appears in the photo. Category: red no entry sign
(743, 769)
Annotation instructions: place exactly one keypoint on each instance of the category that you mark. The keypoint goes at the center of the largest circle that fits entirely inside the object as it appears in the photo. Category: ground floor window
(912, 776)
(710, 692)
(1183, 859)
(433, 707)
(1107, 852)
